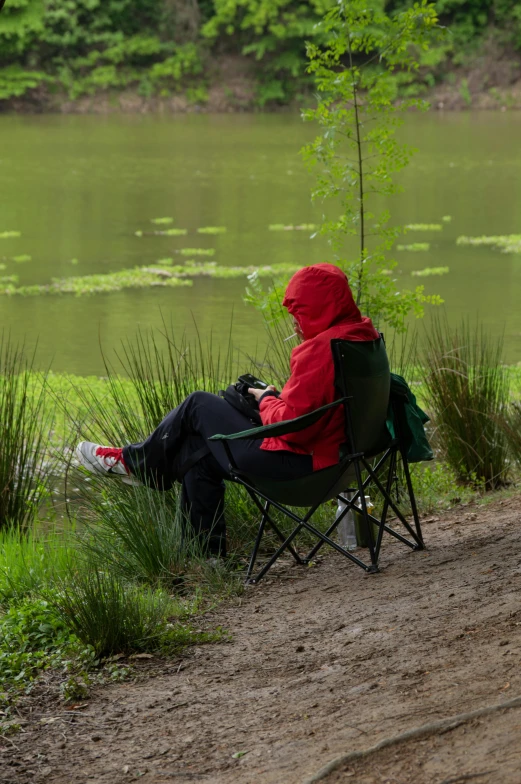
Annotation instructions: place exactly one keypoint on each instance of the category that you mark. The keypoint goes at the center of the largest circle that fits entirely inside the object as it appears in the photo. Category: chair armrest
(281, 428)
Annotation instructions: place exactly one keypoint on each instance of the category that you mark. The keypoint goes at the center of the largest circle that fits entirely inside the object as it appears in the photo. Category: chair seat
(306, 490)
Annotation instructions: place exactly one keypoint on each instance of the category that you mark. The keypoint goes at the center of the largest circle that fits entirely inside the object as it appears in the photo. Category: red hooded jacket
(320, 299)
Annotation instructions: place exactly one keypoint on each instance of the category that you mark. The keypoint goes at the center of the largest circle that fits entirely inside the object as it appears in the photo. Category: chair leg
(363, 508)
(258, 538)
(284, 546)
(412, 498)
(397, 512)
(264, 509)
(385, 509)
(332, 527)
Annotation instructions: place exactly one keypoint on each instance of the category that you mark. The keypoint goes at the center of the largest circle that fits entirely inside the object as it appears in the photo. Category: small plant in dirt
(34, 637)
(466, 389)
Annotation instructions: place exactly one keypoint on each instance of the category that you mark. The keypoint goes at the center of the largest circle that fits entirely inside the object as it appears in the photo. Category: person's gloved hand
(258, 393)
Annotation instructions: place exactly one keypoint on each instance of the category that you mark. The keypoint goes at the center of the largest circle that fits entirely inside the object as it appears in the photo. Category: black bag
(237, 396)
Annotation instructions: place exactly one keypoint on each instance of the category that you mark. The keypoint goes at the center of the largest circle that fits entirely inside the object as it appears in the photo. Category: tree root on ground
(444, 725)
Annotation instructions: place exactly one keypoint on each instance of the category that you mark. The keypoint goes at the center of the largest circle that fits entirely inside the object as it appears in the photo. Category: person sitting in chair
(322, 306)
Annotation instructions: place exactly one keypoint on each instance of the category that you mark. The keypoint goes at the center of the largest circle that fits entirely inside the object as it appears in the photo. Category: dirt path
(323, 661)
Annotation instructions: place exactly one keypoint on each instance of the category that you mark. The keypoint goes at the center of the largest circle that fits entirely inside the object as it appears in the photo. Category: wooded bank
(225, 55)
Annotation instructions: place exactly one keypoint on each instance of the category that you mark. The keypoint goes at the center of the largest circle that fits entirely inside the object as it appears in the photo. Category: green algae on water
(212, 230)
(164, 233)
(6, 235)
(428, 271)
(163, 274)
(196, 251)
(291, 227)
(161, 220)
(424, 227)
(415, 247)
(210, 269)
(95, 284)
(506, 243)
(21, 259)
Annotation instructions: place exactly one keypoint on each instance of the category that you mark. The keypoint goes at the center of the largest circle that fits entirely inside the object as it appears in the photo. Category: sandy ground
(322, 661)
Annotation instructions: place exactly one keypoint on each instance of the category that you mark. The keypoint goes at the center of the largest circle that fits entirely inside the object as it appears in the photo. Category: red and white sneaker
(106, 460)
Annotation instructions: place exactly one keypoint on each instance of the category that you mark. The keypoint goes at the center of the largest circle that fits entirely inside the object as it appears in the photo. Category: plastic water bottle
(362, 536)
(346, 527)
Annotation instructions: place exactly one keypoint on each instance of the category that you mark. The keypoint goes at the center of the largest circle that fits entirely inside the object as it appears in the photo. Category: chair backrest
(362, 373)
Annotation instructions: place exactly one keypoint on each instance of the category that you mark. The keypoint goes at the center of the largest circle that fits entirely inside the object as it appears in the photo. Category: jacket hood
(319, 297)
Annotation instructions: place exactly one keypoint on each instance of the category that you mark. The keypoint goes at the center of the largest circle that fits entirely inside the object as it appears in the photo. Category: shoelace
(111, 455)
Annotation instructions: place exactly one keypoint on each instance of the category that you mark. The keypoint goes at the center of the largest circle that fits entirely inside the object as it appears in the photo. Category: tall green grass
(63, 605)
(25, 427)
(109, 614)
(466, 389)
(511, 423)
(135, 532)
(148, 377)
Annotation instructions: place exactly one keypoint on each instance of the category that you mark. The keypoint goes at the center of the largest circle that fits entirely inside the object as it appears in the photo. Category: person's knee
(196, 398)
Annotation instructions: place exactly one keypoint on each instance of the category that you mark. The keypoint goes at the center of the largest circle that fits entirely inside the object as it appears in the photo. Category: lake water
(80, 187)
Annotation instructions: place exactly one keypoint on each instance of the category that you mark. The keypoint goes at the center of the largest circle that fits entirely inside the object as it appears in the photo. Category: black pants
(159, 461)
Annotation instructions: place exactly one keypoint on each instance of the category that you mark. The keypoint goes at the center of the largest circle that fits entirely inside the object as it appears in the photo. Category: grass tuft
(111, 615)
(466, 389)
(25, 423)
(136, 532)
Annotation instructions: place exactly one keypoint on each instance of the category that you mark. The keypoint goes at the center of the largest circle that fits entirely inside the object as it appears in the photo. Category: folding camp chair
(362, 378)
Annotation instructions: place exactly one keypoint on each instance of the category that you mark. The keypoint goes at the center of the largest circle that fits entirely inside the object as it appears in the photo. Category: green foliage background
(161, 47)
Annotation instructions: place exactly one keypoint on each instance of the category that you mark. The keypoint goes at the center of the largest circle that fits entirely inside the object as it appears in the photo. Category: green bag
(412, 423)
